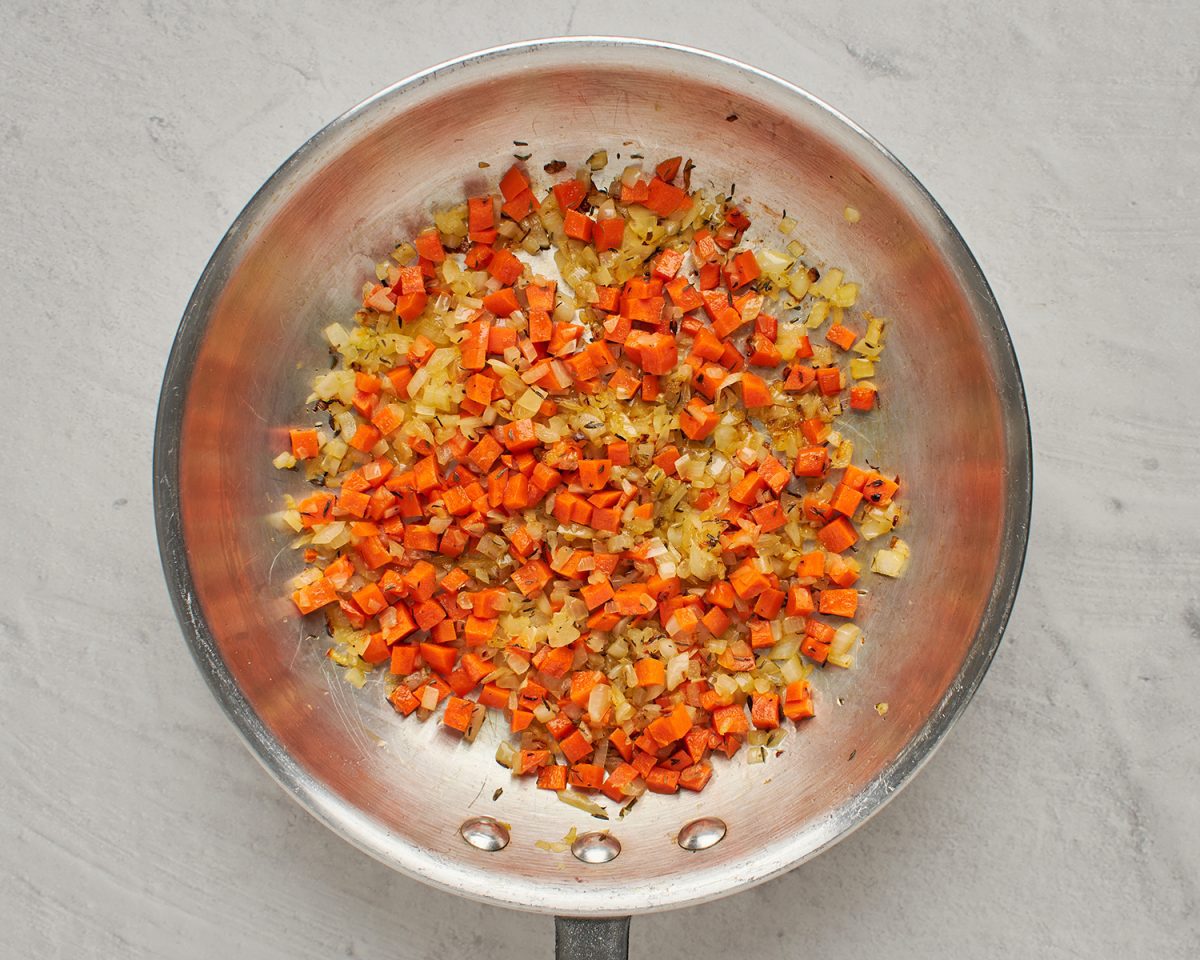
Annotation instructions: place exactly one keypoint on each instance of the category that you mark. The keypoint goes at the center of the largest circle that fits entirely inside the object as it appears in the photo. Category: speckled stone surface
(1061, 817)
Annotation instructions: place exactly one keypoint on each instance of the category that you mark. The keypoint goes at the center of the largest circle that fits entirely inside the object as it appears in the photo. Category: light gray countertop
(1061, 817)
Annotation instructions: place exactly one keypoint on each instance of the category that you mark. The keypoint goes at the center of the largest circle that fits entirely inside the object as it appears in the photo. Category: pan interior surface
(952, 424)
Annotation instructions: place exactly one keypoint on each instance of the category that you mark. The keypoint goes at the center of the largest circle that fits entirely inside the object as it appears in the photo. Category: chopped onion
(506, 754)
(581, 801)
(598, 701)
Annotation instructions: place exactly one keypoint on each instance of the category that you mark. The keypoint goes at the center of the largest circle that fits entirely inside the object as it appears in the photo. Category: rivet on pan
(596, 847)
(701, 834)
(485, 833)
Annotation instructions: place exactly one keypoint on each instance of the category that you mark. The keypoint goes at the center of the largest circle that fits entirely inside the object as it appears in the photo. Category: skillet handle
(579, 938)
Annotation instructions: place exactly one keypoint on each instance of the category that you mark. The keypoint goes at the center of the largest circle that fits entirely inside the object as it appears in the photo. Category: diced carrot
(594, 474)
(531, 577)
(671, 727)
(305, 445)
(817, 510)
(419, 536)
(684, 295)
(730, 719)
(698, 419)
(457, 715)
(608, 300)
(313, 596)
(494, 696)
(505, 267)
(479, 253)
(799, 601)
(376, 651)
(578, 226)
(665, 198)
(695, 777)
(862, 397)
(838, 535)
(370, 599)
(445, 632)
(763, 353)
(769, 603)
(353, 502)
(541, 328)
(429, 246)
(811, 462)
(815, 430)
(575, 747)
(595, 594)
(798, 701)
(438, 658)
(755, 392)
(387, 418)
(404, 700)
(514, 182)
(829, 381)
(650, 672)
(586, 776)
(403, 659)
(727, 322)
(769, 516)
(409, 306)
(518, 207)
(743, 269)
(540, 296)
(841, 336)
(636, 192)
(476, 667)
(530, 760)
(552, 777)
(657, 352)
(878, 490)
(799, 379)
(481, 215)
(845, 499)
(839, 603)
(569, 194)
(365, 437)
(668, 169)
(748, 581)
(716, 620)
(855, 478)
(607, 234)
(746, 490)
(764, 711)
(502, 303)
(484, 453)
(660, 780)
(478, 630)
(814, 649)
(474, 346)
(667, 264)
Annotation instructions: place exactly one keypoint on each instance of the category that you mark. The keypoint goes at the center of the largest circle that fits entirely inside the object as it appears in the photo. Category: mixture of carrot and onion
(606, 498)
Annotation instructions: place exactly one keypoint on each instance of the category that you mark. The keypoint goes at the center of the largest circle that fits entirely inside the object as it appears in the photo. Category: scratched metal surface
(138, 827)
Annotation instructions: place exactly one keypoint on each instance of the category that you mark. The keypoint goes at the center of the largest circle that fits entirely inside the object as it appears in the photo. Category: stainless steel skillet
(953, 423)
